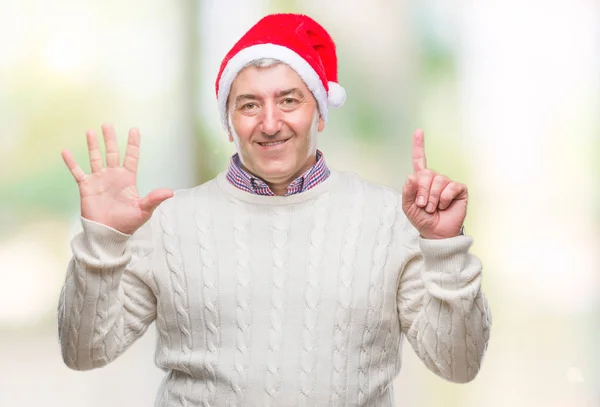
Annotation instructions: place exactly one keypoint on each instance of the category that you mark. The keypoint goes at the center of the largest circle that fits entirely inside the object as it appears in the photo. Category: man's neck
(280, 187)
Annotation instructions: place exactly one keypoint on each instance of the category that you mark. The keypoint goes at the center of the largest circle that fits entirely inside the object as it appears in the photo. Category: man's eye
(288, 101)
(249, 106)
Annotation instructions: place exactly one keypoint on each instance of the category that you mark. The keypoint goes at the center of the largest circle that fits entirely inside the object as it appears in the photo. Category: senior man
(281, 282)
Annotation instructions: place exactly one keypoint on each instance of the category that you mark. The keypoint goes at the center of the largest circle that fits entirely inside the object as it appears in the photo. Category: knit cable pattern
(476, 317)
(243, 279)
(164, 340)
(341, 334)
(121, 328)
(444, 346)
(376, 292)
(101, 326)
(280, 242)
(76, 310)
(61, 312)
(312, 294)
(178, 282)
(437, 326)
(390, 343)
(210, 293)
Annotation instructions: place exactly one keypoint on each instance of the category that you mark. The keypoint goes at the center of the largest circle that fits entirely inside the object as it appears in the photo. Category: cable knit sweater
(276, 301)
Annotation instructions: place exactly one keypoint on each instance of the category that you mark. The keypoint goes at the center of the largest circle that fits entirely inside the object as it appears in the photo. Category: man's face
(273, 121)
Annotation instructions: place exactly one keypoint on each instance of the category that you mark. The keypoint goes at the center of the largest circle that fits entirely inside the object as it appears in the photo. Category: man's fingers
(424, 179)
(94, 151)
(112, 149)
(418, 151)
(452, 191)
(155, 198)
(132, 153)
(75, 169)
(409, 192)
(437, 186)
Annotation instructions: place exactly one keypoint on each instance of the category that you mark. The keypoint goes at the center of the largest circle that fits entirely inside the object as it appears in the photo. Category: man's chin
(274, 176)
(274, 172)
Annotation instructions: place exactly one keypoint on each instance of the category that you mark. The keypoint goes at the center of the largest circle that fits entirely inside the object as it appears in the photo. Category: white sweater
(276, 301)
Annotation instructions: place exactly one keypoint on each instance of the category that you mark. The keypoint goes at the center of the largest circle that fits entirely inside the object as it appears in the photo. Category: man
(280, 282)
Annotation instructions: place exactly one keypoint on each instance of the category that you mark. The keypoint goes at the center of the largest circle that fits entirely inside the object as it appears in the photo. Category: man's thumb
(155, 198)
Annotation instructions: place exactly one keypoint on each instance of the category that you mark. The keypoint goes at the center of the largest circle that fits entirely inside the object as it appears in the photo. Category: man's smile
(272, 144)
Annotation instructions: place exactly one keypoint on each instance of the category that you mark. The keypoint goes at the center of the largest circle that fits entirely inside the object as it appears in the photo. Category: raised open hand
(434, 204)
(109, 194)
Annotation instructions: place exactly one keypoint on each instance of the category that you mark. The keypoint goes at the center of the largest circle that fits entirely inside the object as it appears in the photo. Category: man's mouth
(272, 143)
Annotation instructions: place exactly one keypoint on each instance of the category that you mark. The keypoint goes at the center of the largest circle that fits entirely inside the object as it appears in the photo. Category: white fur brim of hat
(335, 98)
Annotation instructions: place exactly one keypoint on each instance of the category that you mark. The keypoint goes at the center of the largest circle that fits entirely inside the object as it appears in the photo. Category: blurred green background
(506, 91)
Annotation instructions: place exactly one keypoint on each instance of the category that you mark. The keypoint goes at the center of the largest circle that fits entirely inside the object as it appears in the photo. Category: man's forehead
(271, 79)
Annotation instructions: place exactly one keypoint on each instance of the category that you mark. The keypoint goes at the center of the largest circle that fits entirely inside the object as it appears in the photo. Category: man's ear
(321, 124)
(230, 137)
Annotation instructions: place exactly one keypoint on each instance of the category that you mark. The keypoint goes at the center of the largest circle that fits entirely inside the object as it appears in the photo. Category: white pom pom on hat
(336, 95)
(296, 40)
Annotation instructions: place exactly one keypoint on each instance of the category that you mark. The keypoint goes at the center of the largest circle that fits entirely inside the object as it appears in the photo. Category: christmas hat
(296, 40)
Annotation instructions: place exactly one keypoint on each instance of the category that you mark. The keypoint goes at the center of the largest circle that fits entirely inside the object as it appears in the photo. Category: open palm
(109, 194)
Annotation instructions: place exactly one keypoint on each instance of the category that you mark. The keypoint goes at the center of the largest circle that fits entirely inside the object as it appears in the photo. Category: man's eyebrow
(245, 96)
(291, 91)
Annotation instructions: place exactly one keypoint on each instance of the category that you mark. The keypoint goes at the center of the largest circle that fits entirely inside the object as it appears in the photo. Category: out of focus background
(507, 91)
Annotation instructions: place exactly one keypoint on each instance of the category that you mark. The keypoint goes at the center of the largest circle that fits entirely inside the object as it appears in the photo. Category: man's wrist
(461, 232)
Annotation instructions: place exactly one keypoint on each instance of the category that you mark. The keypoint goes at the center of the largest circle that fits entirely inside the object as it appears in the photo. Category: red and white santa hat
(296, 40)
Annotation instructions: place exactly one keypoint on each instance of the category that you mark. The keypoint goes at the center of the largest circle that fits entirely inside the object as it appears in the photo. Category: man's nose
(272, 120)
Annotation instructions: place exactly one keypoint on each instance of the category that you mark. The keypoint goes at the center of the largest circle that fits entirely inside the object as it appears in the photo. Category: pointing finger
(418, 151)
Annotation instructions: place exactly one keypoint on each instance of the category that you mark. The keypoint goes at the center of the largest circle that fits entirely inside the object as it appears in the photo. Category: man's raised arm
(107, 299)
(443, 311)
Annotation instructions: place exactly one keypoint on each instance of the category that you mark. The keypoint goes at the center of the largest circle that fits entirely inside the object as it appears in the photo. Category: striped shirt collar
(245, 181)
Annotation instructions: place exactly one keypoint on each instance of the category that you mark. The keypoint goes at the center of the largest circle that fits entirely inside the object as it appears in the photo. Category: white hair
(263, 62)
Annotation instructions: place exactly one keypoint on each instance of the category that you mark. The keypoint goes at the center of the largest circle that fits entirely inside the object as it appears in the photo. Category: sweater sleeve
(105, 303)
(443, 311)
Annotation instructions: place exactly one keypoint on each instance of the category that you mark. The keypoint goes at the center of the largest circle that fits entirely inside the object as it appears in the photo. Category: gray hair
(263, 62)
